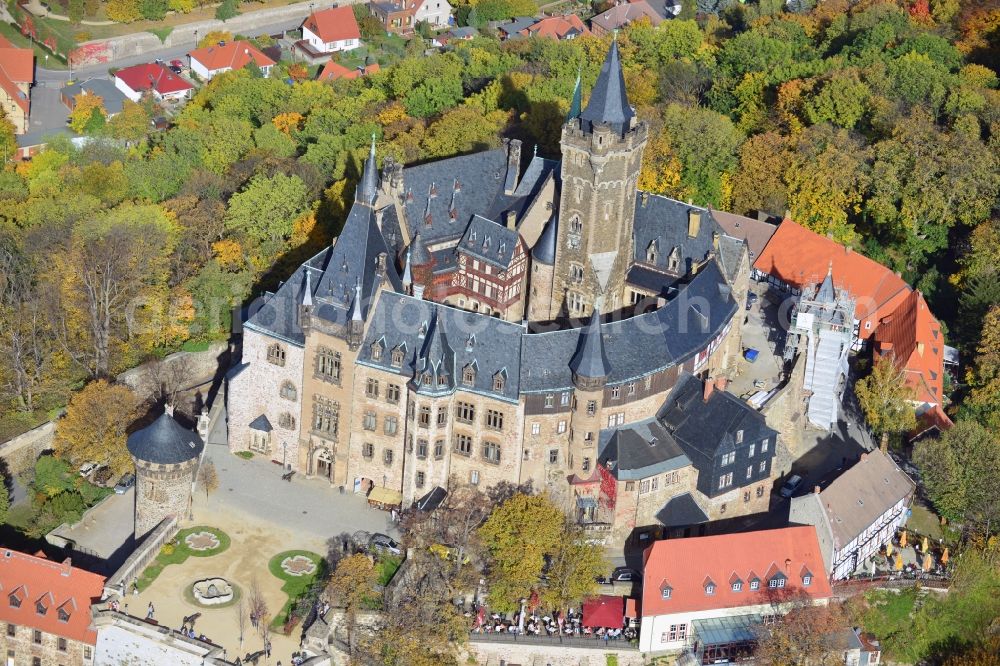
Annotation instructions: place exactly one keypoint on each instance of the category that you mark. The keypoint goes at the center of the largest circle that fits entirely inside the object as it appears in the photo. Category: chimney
(715, 240)
(510, 218)
(513, 165)
(380, 264)
(816, 489)
(66, 568)
(788, 566)
(847, 249)
(709, 388)
(694, 223)
(788, 215)
(644, 198)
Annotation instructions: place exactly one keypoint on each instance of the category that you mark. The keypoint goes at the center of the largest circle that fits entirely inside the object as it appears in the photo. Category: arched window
(286, 421)
(276, 354)
(288, 391)
(575, 225)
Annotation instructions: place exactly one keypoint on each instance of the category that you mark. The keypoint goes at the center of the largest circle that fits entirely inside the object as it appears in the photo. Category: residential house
(515, 27)
(334, 70)
(402, 16)
(622, 14)
(557, 27)
(152, 78)
(331, 30)
(211, 61)
(46, 610)
(463, 34)
(857, 514)
(17, 74)
(709, 594)
(111, 96)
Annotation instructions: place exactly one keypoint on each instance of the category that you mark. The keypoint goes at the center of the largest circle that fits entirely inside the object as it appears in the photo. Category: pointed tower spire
(589, 363)
(826, 292)
(368, 187)
(577, 103)
(608, 102)
(407, 271)
(544, 251)
(307, 295)
(356, 305)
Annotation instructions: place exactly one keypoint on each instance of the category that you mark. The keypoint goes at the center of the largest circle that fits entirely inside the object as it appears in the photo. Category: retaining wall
(21, 452)
(121, 580)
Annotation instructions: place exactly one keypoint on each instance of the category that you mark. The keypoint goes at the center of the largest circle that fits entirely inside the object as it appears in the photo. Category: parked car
(87, 468)
(625, 575)
(384, 543)
(126, 482)
(176, 66)
(751, 300)
(790, 486)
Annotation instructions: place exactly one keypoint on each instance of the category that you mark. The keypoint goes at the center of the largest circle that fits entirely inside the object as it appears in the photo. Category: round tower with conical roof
(543, 259)
(166, 456)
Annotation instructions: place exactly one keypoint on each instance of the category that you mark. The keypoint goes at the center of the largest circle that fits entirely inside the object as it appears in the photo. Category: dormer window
(666, 590)
(754, 584)
(777, 582)
(469, 375)
(710, 589)
(807, 580)
(652, 252)
(426, 379)
(397, 356)
(14, 600)
(41, 608)
(499, 381)
(377, 350)
(63, 615)
(674, 260)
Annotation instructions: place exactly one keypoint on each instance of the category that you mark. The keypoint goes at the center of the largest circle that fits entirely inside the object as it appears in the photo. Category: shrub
(168, 548)
(246, 455)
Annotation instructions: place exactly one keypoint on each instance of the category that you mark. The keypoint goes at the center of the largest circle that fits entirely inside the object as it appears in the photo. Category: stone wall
(123, 640)
(491, 654)
(176, 372)
(141, 557)
(161, 491)
(21, 648)
(785, 412)
(21, 452)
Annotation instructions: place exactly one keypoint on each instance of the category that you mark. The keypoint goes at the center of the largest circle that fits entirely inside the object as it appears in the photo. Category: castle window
(652, 252)
(564, 398)
(390, 425)
(575, 225)
(326, 416)
(591, 407)
(494, 419)
(392, 393)
(387, 456)
(561, 427)
(739, 436)
(576, 273)
(424, 418)
(259, 442)
(553, 456)
(463, 445)
(288, 391)
(574, 302)
(371, 388)
(536, 428)
(420, 480)
(474, 477)
(422, 449)
(286, 421)
(377, 351)
(616, 392)
(61, 644)
(499, 380)
(369, 421)
(491, 452)
(397, 356)
(465, 412)
(630, 388)
(586, 464)
(368, 450)
(469, 375)
(442, 417)
(439, 449)
(328, 364)
(549, 400)
(276, 354)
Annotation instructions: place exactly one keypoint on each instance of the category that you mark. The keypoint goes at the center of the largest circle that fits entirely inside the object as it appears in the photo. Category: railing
(580, 642)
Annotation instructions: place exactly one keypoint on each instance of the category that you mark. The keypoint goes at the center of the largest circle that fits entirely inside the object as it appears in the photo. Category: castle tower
(590, 368)
(601, 157)
(543, 257)
(166, 457)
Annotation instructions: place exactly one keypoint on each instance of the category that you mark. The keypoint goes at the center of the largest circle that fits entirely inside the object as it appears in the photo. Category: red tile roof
(802, 257)
(234, 55)
(686, 566)
(16, 66)
(334, 24)
(914, 338)
(557, 27)
(621, 15)
(65, 591)
(334, 70)
(152, 77)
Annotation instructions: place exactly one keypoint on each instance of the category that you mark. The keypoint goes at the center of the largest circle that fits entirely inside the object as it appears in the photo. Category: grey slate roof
(681, 511)
(640, 450)
(419, 255)
(368, 187)
(490, 242)
(165, 442)
(480, 179)
(544, 251)
(392, 231)
(518, 24)
(261, 423)
(729, 253)
(652, 280)
(589, 360)
(436, 358)
(639, 345)
(528, 188)
(492, 344)
(705, 428)
(666, 221)
(608, 103)
(113, 98)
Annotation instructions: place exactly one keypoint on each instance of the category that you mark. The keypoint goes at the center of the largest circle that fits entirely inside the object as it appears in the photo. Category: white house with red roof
(210, 61)
(708, 594)
(46, 609)
(17, 74)
(154, 78)
(332, 30)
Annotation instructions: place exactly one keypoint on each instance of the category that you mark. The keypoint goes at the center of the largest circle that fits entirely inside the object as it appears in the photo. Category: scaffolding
(822, 327)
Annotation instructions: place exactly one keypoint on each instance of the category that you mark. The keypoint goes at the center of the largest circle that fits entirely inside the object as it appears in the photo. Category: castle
(482, 321)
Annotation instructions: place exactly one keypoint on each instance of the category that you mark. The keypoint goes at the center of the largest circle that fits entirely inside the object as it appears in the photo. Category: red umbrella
(533, 600)
(481, 616)
(603, 611)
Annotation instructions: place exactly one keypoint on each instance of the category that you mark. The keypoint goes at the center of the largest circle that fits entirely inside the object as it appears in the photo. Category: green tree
(82, 115)
(8, 137)
(705, 142)
(131, 123)
(153, 10)
(463, 129)
(574, 565)
(960, 470)
(518, 535)
(841, 100)
(76, 9)
(984, 379)
(885, 399)
(227, 10)
(352, 583)
(94, 426)
(266, 208)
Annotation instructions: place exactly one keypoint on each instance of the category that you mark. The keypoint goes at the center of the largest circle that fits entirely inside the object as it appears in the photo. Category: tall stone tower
(166, 456)
(590, 368)
(601, 157)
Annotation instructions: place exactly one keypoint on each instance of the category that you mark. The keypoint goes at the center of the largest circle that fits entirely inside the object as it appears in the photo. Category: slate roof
(529, 187)
(703, 428)
(650, 279)
(639, 345)
(608, 103)
(165, 442)
(681, 511)
(621, 15)
(666, 221)
(589, 360)
(490, 242)
(755, 232)
(491, 343)
(367, 189)
(544, 251)
(729, 253)
(516, 25)
(431, 500)
(112, 97)
(261, 423)
(640, 450)
(480, 179)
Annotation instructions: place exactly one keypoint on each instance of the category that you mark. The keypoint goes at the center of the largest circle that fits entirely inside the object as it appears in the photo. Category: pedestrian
(267, 649)
(135, 588)
(149, 611)
(125, 608)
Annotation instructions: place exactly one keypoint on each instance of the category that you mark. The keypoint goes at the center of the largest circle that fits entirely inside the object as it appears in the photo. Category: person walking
(149, 611)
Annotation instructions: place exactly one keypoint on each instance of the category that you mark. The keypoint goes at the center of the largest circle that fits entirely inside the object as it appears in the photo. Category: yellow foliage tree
(213, 37)
(392, 114)
(83, 109)
(94, 427)
(661, 168)
(287, 122)
(229, 253)
(123, 11)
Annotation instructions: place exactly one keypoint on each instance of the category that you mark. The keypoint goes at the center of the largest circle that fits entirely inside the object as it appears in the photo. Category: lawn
(387, 567)
(295, 586)
(11, 32)
(177, 551)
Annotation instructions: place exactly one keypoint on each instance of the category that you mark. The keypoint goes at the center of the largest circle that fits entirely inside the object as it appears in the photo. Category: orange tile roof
(334, 70)
(914, 338)
(63, 589)
(686, 566)
(557, 27)
(334, 24)
(235, 55)
(16, 66)
(802, 257)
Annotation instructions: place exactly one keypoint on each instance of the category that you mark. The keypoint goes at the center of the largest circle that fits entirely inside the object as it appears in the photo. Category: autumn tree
(208, 477)
(518, 535)
(94, 426)
(661, 168)
(705, 142)
(960, 470)
(574, 565)
(352, 583)
(213, 37)
(804, 635)
(131, 123)
(984, 378)
(757, 184)
(8, 137)
(885, 399)
(84, 106)
(267, 207)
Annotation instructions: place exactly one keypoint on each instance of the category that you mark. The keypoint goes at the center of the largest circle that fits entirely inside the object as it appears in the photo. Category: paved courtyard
(105, 531)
